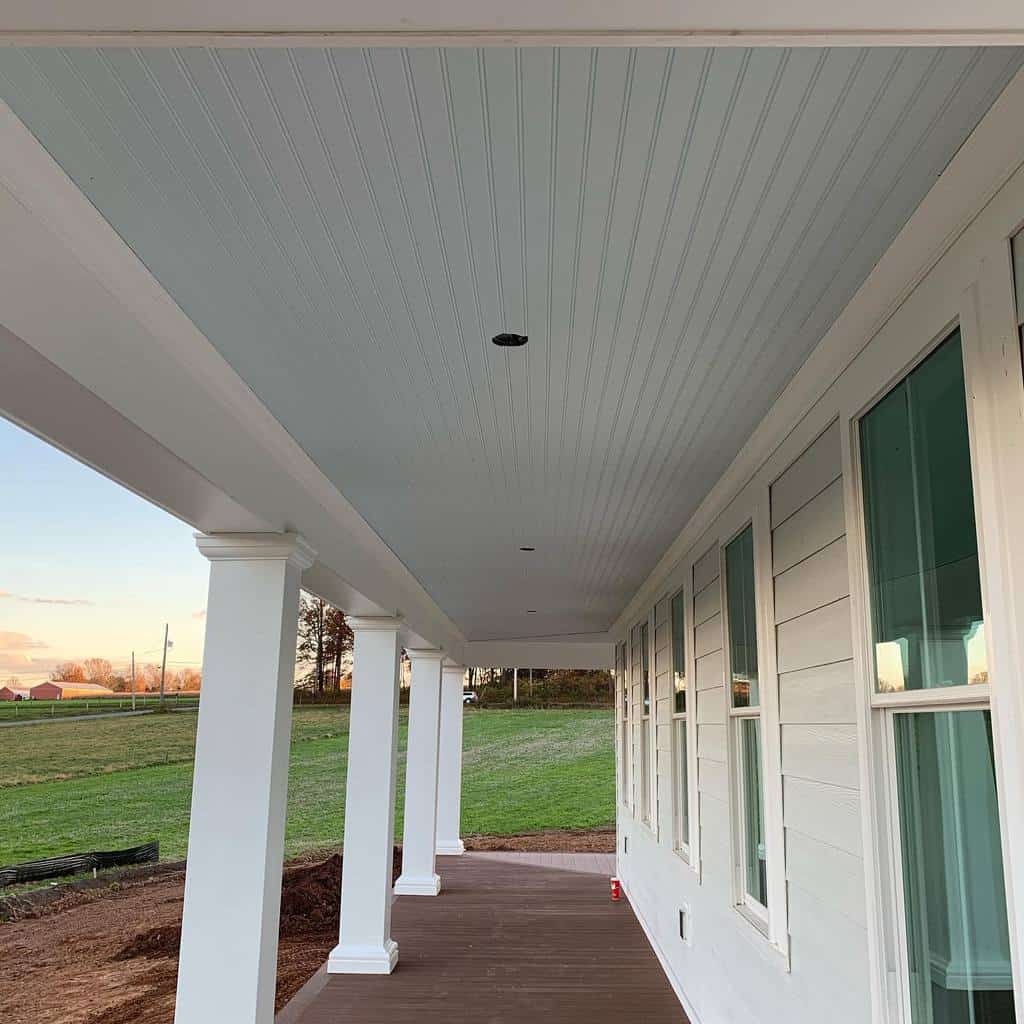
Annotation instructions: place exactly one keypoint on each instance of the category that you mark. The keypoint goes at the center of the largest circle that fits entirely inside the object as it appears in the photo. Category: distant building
(14, 693)
(64, 691)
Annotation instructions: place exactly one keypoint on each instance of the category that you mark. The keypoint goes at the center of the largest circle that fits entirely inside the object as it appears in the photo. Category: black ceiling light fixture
(531, 611)
(507, 340)
(527, 549)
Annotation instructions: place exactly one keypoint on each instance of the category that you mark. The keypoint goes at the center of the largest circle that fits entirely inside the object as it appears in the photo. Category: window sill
(757, 927)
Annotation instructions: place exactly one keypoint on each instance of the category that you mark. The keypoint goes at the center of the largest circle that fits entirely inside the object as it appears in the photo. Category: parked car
(469, 697)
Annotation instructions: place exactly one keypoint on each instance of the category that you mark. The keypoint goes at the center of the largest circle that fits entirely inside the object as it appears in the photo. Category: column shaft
(419, 836)
(449, 805)
(365, 945)
(228, 963)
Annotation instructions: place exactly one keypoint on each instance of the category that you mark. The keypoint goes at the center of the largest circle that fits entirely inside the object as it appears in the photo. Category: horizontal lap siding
(709, 687)
(817, 704)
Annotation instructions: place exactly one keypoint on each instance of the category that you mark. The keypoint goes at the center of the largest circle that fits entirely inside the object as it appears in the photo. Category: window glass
(954, 898)
(682, 785)
(922, 544)
(741, 608)
(756, 877)
(678, 653)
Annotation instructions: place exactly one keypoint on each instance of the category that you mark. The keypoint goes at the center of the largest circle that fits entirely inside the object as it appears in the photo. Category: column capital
(374, 623)
(453, 666)
(231, 547)
(424, 654)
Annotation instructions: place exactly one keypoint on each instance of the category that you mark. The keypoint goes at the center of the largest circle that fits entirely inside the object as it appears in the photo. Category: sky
(89, 569)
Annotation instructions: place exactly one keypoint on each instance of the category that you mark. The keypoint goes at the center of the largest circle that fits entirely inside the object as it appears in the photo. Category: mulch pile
(570, 840)
(310, 903)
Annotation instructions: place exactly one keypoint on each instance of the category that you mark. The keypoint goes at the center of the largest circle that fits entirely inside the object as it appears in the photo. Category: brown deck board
(504, 943)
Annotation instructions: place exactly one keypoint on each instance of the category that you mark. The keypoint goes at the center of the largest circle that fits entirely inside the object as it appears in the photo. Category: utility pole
(163, 667)
(133, 680)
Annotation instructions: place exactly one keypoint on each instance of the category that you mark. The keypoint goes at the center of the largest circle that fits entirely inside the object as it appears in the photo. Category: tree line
(147, 676)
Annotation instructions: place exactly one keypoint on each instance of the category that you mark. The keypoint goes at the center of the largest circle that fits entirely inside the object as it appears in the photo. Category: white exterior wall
(833, 953)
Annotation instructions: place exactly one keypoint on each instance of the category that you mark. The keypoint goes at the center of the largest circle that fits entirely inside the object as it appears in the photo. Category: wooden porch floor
(512, 939)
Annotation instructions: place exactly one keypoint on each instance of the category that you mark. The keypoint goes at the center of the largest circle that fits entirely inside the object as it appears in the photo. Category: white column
(365, 945)
(227, 969)
(449, 796)
(419, 837)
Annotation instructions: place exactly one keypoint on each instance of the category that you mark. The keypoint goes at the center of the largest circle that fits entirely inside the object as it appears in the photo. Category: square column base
(411, 885)
(450, 848)
(363, 959)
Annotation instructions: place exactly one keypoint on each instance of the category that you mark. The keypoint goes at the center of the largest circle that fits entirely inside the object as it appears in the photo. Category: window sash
(950, 912)
(741, 620)
(923, 575)
(681, 783)
(753, 860)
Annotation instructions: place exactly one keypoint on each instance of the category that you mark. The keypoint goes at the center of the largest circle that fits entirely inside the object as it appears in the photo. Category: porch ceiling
(674, 230)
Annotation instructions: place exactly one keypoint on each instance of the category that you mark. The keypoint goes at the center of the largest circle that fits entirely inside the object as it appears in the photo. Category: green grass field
(25, 710)
(104, 784)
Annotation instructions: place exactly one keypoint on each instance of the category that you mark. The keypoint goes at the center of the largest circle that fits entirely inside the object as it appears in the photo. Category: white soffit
(674, 229)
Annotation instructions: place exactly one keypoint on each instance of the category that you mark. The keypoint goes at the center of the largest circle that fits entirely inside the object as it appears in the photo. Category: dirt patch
(109, 956)
(592, 840)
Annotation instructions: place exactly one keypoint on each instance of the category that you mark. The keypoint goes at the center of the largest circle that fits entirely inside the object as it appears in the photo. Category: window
(622, 681)
(681, 784)
(745, 714)
(643, 638)
(958, 944)
(639, 681)
(929, 630)
(931, 699)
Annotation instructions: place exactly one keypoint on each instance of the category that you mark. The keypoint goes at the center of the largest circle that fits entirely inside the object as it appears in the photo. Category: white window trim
(622, 721)
(649, 727)
(888, 953)
(772, 920)
(684, 847)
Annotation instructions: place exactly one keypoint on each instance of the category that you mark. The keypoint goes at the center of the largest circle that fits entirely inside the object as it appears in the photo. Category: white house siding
(832, 955)
(817, 716)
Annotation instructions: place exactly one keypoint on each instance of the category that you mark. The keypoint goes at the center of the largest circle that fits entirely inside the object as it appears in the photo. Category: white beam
(365, 945)
(449, 796)
(539, 22)
(543, 653)
(228, 964)
(419, 836)
(155, 394)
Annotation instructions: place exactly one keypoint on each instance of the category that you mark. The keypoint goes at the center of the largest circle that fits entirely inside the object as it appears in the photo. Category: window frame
(641, 638)
(771, 922)
(878, 745)
(751, 908)
(683, 722)
(622, 719)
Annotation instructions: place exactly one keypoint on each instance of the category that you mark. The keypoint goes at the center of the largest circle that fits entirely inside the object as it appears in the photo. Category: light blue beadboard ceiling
(674, 230)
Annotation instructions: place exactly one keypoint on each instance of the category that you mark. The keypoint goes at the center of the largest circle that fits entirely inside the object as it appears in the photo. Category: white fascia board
(991, 154)
(539, 22)
(74, 292)
(549, 652)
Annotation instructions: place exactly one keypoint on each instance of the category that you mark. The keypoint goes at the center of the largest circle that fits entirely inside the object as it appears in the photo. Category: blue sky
(89, 569)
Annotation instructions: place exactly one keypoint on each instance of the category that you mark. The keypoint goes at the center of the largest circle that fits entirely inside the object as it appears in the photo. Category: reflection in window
(958, 945)
(922, 543)
(741, 609)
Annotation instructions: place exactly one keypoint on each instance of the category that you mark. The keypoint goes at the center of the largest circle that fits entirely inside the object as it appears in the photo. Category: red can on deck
(616, 890)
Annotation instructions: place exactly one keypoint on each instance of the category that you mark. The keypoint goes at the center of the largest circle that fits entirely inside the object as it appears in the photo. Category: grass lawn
(24, 710)
(103, 784)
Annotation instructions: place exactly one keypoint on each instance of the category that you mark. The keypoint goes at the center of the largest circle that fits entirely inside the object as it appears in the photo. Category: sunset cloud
(201, 614)
(18, 642)
(79, 601)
